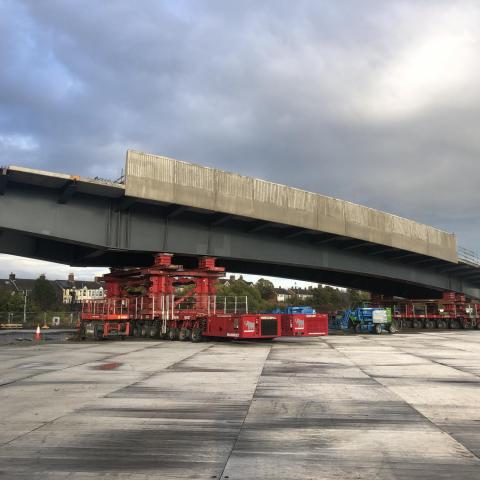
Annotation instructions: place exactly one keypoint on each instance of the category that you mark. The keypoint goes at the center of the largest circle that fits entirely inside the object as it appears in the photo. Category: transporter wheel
(173, 334)
(184, 334)
(392, 328)
(454, 324)
(417, 324)
(428, 324)
(357, 328)
(153, 332)
(466, 323)
(196, 335)
(135, 331)
(81, 333)
(377, 328)
(441, 324)
(144, 331)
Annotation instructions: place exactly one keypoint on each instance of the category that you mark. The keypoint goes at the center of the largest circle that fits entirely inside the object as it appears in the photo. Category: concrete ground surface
(344, 407)
(28, 335)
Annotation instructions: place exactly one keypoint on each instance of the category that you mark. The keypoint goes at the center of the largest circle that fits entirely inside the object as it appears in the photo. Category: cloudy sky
(371, 101)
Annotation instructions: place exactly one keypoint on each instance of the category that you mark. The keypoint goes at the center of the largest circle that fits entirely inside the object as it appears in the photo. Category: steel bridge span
(84, 222)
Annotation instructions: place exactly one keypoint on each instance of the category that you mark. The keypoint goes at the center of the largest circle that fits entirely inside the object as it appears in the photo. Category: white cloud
(31, 268)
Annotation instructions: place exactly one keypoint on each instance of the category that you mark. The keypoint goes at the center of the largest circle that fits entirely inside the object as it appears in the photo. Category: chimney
(232, 278)
(42, 276)
(11, 276)
(71, 277)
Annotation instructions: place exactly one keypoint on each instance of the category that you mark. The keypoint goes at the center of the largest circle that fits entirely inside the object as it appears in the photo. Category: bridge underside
(82, 229)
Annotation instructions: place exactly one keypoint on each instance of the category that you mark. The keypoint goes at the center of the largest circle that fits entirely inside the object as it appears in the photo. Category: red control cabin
(169, 301)
(304, 324)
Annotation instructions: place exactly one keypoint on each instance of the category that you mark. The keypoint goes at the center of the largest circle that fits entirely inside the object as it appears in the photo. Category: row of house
(282, 294)
(78, 291)
(68, 291)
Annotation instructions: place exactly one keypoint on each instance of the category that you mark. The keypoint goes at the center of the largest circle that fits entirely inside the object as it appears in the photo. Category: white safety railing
(166, 306)
(468, 256)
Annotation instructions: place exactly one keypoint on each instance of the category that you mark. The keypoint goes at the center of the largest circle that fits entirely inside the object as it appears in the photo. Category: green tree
(11, 301)
(266, 289)
(43, 294)
(240, 288)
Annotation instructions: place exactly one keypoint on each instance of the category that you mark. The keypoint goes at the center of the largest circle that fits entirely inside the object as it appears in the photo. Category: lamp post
(25, 295)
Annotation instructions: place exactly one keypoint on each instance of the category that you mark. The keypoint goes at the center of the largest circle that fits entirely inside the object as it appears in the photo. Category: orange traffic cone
(38, 335)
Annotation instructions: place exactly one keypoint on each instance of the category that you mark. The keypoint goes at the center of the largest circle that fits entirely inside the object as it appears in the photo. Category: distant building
(228, 281)
(16, 285)
(79, 291)
(68, 291)
(284, 295)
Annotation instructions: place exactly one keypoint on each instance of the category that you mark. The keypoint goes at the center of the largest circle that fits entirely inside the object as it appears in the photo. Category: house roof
(78, 284)
(22, 284)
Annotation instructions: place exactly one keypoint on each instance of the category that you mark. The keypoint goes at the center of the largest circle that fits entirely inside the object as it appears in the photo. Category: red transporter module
(168, 301)
(452, 311)
(244, 326)
(304, 324)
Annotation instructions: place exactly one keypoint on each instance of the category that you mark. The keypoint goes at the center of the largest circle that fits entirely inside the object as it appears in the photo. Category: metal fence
(166, 306)
(52, 319)
(468, 256)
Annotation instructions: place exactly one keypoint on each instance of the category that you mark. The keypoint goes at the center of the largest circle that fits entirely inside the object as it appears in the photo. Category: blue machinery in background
(294, 310)
(363, 319)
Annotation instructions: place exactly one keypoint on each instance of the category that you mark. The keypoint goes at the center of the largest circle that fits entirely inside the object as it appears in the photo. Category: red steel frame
(145, 302)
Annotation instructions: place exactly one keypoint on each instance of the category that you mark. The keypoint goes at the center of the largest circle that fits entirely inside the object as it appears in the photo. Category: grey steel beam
(220, 219)
(260, 226)
(295, 232)
(87, 231)
(402, 256)
(3, 180)
(326, 239)
(470, 274)
(67, 192)
(356, 245)
(125, 203)
(173, 211)
(456, 268)
(381, 251)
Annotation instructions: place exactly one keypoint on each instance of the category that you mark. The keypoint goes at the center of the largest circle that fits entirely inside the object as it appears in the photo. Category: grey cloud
(334, 97)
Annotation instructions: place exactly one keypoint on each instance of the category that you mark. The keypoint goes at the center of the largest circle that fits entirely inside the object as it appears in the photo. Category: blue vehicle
(294, 310)
(364, 319)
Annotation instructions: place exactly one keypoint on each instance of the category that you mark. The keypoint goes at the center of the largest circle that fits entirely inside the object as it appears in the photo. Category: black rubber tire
(467, 324)
(417, 324)
(428, 324)
(196, 335)
(153, 332)
(173, 334)
(441, 324)
(357, 328)
(377, 328)
(392, 327)
(454, 325)
(182, 335)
